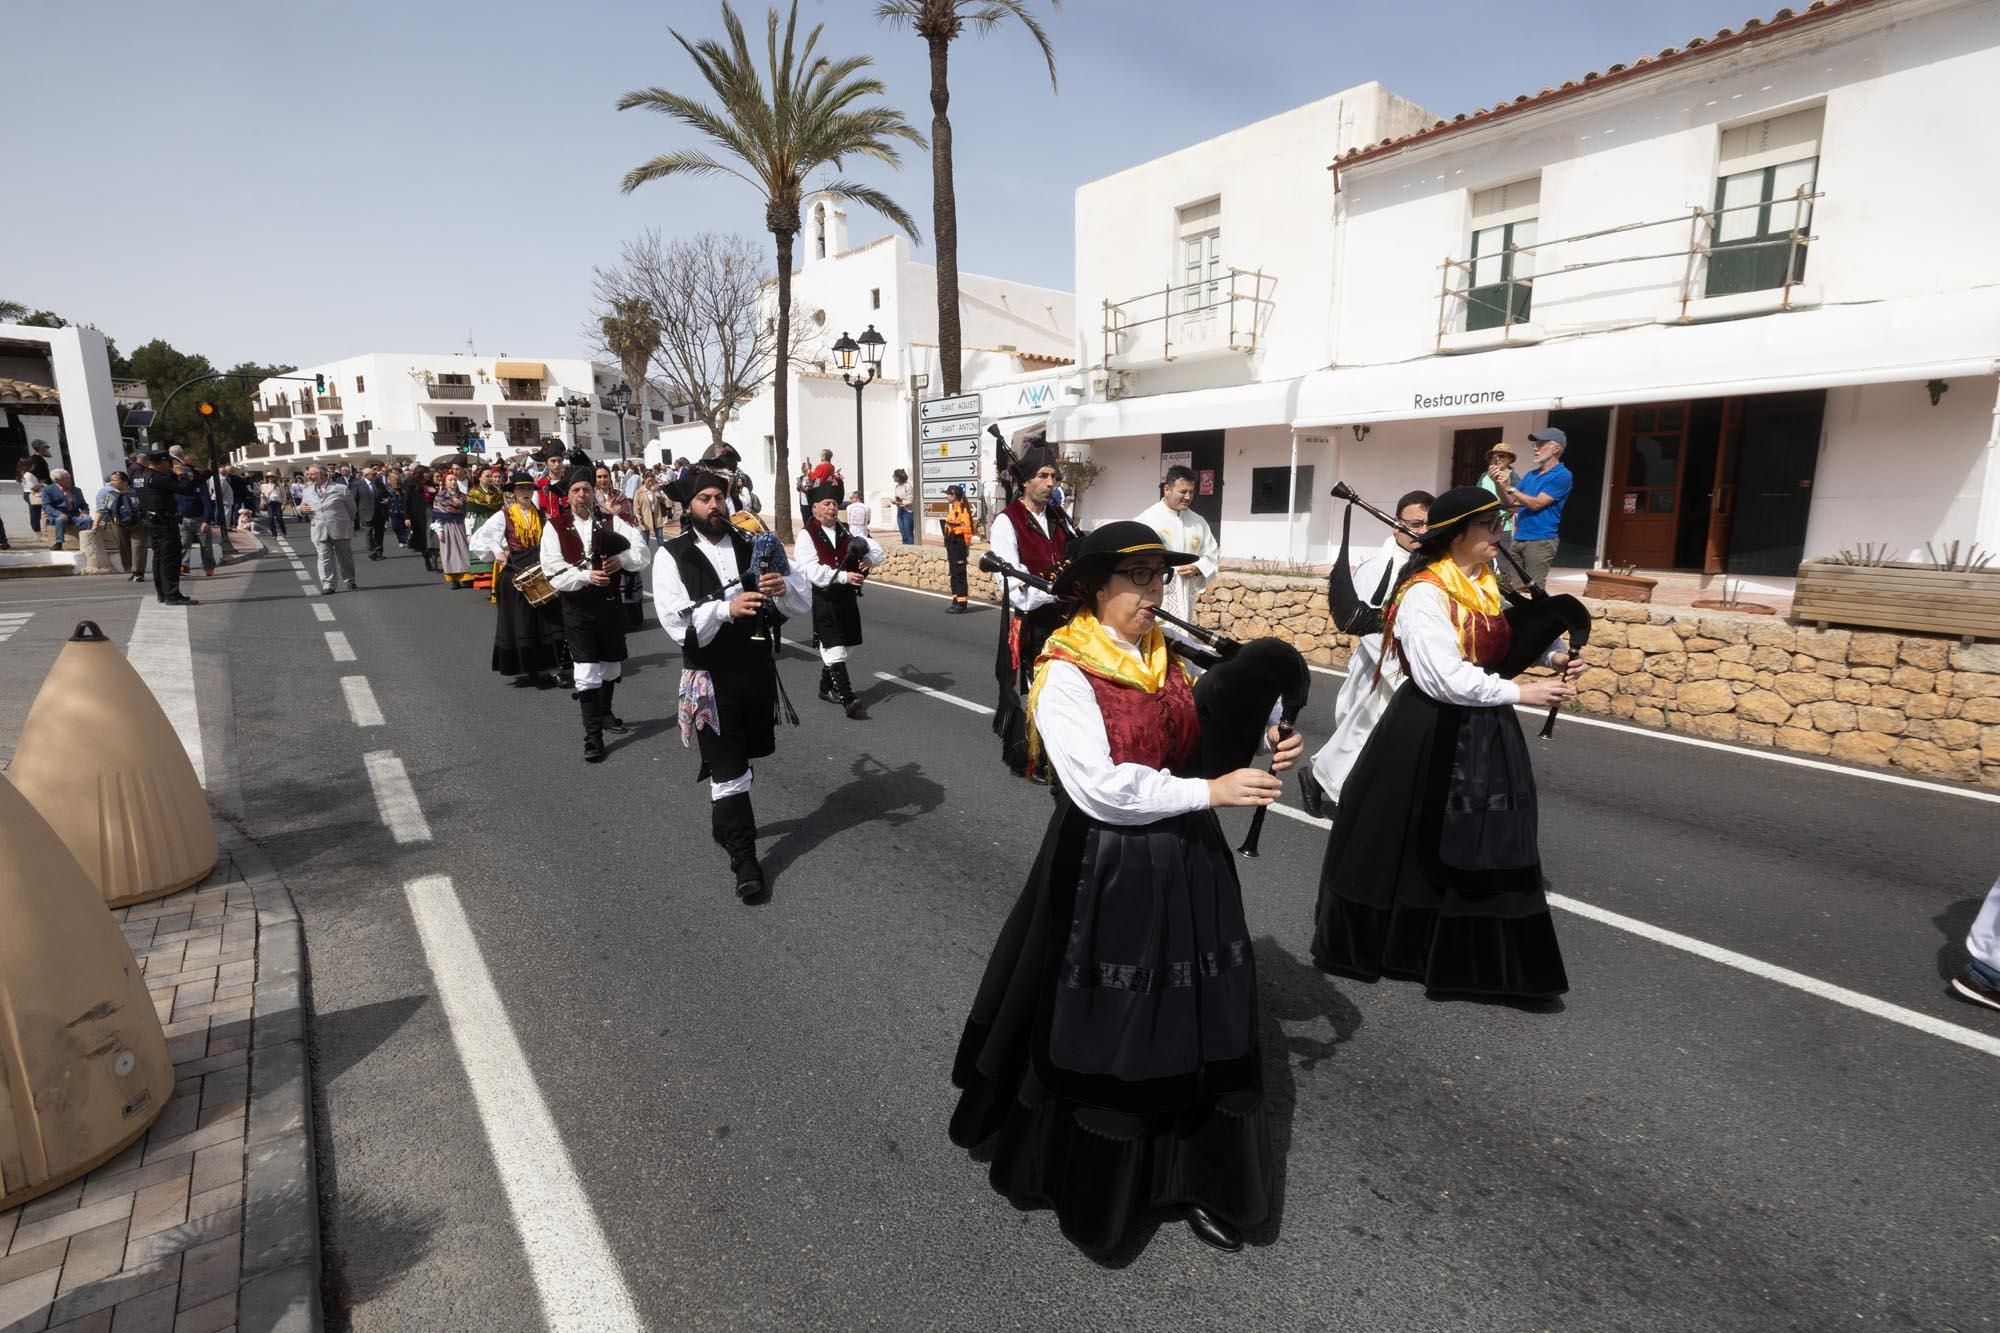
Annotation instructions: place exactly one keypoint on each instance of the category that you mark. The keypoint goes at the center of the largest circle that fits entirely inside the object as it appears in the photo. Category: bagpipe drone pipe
(1240, 683)
(1535, 619)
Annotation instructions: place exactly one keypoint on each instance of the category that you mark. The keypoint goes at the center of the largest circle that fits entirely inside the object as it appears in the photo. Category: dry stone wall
(1925, 706)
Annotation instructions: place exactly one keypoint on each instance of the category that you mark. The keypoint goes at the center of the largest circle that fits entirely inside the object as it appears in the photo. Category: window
(819, 232)
(1270, 487)
(455, 379)
(1766, 171)
(1199, 275)
(874, 298)
(360, 384)
(771, 454)
(1503, 222)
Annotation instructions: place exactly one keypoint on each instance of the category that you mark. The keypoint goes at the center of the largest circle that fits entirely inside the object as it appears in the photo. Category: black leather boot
(1213, 1231)
(612, 722)
(592, 703)
(843, 690)
(826, 685)
(733, 825)
(1311, 795)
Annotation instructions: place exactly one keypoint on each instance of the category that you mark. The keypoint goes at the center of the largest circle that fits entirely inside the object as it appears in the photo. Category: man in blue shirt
(1538, 502)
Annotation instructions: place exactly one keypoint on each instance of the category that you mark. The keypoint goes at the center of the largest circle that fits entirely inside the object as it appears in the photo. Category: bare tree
(711, 299)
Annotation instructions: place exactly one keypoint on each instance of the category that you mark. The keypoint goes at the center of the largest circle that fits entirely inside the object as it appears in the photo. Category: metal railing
(443, 391)
(522, 391)
(1237, 287)
(1457, 282)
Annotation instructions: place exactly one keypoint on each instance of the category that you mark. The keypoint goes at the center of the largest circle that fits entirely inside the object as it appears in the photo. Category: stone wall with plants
(1922, 705)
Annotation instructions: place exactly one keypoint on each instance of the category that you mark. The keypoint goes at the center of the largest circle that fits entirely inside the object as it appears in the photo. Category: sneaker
(1971, 986)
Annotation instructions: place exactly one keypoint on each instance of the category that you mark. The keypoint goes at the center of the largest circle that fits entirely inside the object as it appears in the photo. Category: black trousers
(378, 522)
(956, 549)
(167, 553)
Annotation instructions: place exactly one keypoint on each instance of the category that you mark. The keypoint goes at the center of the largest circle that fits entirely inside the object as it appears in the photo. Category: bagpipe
(1535, 618)
(854, 560)
(1350, 614)
(1239, 685)
(767, 556)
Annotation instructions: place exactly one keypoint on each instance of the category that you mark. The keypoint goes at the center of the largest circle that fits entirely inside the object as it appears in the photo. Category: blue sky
(286, 180)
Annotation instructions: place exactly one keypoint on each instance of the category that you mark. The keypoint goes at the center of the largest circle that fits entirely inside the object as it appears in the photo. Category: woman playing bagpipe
(1110, 1064)
(1432, 871)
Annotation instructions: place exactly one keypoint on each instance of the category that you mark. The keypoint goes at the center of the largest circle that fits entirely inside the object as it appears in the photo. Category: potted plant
(1619, 583)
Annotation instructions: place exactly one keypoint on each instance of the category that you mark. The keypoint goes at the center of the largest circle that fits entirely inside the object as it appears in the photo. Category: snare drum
(534, 586)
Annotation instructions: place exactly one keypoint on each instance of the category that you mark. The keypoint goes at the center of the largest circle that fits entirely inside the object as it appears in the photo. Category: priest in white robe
(1181, 529)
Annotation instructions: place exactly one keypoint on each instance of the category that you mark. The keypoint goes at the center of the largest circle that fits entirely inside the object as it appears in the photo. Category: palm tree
(939, 23)
(12, 312)
(773, 138)
(632, 334)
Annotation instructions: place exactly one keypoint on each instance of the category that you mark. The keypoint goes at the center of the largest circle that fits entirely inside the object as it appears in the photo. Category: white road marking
(966, 704)
(1866, 1004)
(575, 1275)
(159, 650)
(11, 621)
(337, 644)
(323, 611)
(974, 603)
(361, 705)
(1784, 976)
(395, 798)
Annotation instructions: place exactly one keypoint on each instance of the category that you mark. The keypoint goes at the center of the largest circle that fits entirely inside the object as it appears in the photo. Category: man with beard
(718, 611)
(583, 551)
(1033, 534)
(836, 560)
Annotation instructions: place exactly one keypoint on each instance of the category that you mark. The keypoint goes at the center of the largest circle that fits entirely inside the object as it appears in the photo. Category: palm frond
(870, 197)
(992, 13)
(684, 163)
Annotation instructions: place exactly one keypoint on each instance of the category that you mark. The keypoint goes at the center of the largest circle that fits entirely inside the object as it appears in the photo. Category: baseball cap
(1550, 436)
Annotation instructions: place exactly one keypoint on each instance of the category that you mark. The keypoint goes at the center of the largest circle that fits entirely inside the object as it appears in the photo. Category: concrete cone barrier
(98, 758)
(84, 1068)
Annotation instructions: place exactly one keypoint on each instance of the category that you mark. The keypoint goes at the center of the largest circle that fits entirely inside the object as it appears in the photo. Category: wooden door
(1468, 453)
(1722, 499)
(1646, 485)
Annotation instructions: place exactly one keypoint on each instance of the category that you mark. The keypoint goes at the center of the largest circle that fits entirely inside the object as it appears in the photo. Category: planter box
(1609, 587)
(1961, 604)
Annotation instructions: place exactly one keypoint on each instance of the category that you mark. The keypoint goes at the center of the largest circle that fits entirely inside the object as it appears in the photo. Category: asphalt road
(755, 1098)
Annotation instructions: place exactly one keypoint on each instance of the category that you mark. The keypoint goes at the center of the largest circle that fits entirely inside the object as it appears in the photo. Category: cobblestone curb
(210, 1223)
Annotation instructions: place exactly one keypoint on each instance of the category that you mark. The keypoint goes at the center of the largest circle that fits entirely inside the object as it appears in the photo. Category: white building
(394, 406)
(56, 389)
(1748, 277)
(1018, 343)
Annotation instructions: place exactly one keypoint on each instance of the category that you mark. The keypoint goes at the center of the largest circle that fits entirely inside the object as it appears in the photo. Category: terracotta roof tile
(1694, 46)
(27, 391)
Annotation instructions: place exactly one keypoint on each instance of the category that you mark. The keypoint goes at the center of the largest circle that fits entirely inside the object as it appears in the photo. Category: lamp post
(870, 346)
(569, 412)
(620, 395)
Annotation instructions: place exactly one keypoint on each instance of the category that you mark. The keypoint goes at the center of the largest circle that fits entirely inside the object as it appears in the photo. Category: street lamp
(620, 395)
(570, 411)
(870, 347)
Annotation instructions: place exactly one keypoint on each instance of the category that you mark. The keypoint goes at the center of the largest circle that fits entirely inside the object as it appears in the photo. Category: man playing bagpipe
(1033, 534)
(836, 560)
(583, 552)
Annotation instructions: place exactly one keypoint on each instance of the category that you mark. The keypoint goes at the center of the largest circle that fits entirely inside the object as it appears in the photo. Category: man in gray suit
(332, 508)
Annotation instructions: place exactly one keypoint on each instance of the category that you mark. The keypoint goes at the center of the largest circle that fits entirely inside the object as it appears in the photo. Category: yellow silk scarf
(1480, 593)
(525, 524)
(1091, 647)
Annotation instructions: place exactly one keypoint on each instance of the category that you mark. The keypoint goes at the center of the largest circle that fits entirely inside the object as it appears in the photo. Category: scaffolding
(1236, 287)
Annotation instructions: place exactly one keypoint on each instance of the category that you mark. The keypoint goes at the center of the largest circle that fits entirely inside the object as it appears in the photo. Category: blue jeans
(906, 523)
(61, 524)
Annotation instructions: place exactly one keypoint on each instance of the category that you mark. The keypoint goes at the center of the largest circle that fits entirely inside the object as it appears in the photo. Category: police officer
(159, 500)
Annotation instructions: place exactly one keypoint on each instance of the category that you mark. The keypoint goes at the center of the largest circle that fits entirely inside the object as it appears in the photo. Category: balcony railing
(279, 412)
(257, 449)
(329, 402)
(522, 391)
(260, 414)
(1223, 313)
(1761, 262)
(309, 445)
(448, 391)
(281, 448)
(336, 444)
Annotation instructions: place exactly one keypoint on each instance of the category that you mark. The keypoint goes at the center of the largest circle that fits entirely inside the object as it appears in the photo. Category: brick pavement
(210, 1221)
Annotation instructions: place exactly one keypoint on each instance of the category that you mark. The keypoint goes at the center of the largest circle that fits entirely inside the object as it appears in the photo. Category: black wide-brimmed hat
(1450, 510)
(520, 479)
(1101, 548)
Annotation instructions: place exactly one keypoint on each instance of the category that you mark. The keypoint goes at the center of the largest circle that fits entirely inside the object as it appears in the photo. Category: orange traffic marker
(84, 1068)
(99, 759)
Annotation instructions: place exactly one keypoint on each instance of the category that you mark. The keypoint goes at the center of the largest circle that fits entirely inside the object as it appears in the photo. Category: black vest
(732, 646)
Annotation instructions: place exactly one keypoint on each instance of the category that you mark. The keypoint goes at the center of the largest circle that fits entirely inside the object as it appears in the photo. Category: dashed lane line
(12, 621)
(323, 611)
(966, 704)
(337, 644)
(577, 1279)
(160, 651)
(395, 798)
(361, 705)
(1982, 1042)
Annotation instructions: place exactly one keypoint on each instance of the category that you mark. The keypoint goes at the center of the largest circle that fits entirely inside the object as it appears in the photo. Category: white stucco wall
(81, 364)
(1893, 469)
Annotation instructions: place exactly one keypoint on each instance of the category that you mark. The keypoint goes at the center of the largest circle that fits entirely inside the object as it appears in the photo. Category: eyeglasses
(1142, 576)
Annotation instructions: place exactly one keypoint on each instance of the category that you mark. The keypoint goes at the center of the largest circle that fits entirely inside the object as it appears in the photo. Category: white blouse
(1073, 736)
(1430, 648)
(805, 555)
(565, 577)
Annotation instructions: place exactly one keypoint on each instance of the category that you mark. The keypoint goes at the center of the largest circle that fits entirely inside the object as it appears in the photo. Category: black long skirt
(1433, 869)
(526, 638)
(1010, 716)
(1111, 1062)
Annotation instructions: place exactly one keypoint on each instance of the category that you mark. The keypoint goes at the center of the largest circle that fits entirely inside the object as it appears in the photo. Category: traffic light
(319, 384)
(206, 409)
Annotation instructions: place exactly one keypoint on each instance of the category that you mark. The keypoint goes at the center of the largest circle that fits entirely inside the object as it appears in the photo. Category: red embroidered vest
(1157, 730)
(566, 538)
(1039, 554)
(829, 554)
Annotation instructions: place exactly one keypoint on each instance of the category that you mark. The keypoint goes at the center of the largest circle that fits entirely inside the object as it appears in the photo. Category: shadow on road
(346, 1037)
(1305, 1021)
(877, 794)
(1955, 922)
